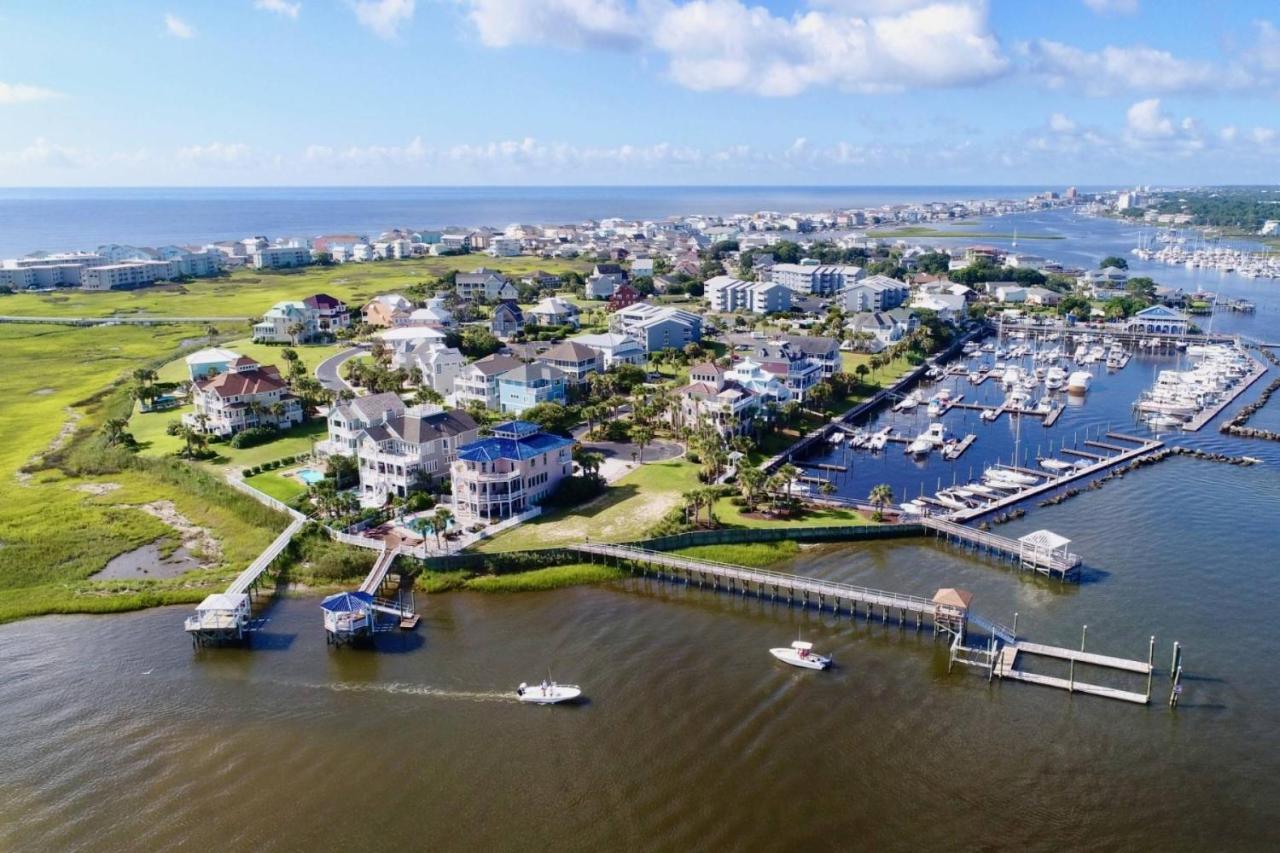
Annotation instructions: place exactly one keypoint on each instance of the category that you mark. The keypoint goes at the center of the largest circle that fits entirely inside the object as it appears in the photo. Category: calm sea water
(118, 736)
(64, 219)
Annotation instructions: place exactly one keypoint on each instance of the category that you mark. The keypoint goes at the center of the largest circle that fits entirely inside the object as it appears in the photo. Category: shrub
(252, 437)
(248, 472)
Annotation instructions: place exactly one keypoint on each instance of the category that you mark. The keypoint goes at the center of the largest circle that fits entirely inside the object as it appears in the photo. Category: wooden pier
(964, 444)
(1052, 418)
(1084, 454)
(228, 616)
(1063, 566)
(949, 612)
(797, 589)
(1006, 667)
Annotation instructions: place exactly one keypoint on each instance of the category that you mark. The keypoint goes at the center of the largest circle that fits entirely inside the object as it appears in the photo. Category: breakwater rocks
(1236, 424)
(1132, 465)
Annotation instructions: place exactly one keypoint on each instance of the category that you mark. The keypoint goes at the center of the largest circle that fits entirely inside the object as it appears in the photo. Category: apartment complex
(817, 279)
(725, 294)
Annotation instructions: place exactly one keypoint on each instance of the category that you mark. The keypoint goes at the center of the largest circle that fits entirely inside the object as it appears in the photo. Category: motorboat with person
(548, 693)
(801, 654)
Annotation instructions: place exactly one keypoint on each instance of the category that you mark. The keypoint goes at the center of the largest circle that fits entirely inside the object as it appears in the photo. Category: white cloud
(42, 152)
(20, 93)
(1113, 7)
(384, 17)
(177, 27)
(1263, 135)
(1145, 120)
(565, 23)
(723, 44)
(216, 153)
(1060, 123)
(283, 8)
(856, 45)
(1139, 68)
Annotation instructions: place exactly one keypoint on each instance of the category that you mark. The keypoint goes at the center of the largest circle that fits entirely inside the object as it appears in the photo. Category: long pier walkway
(948, 612)
(1056, 563)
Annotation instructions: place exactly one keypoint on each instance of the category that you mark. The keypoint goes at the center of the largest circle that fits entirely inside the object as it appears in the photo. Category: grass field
(57, 530)
(731, 516)
(628, 508)
(249, 293)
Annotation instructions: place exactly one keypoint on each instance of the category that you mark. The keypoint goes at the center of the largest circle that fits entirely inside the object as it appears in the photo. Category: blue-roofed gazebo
(347, 615)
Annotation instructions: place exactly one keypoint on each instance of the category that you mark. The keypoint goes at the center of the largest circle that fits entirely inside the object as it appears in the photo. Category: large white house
(348, 419)
(407, 451)
(478, 381)
(318, 316)
(440, 366)
(1158, 320)
(245, 395)
(614, 348)
(487, 284)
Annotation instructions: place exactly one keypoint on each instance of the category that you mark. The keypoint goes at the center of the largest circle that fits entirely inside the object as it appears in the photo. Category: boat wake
(398, 688)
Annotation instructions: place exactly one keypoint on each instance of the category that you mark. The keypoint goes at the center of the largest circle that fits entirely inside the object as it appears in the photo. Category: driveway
(618, 461)
(327, 370)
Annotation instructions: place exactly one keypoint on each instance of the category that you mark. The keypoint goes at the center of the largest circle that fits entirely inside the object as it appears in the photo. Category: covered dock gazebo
(1043, 549)
(951, 609)
(347, 615)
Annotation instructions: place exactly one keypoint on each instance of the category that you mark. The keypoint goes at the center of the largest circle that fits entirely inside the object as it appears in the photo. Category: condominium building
(725, 294)
(818, 279)
(127, 276)
(281, 257)
(509, 472)
(658, 327)
(876, 293)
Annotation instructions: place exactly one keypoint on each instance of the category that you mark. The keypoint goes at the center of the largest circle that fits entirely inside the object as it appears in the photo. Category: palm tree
(692, 500)
(862, 370)
(881, 496)
(827, 488)
(440, 523)
(641, 435)
(588, 461)
(750, 480)
(295, 331)
(788, 473)
(115, 431)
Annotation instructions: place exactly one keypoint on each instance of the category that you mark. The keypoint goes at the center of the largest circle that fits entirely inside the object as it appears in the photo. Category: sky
(553, 92)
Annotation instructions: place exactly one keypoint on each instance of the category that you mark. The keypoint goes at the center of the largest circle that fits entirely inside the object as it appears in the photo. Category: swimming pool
(310, 476)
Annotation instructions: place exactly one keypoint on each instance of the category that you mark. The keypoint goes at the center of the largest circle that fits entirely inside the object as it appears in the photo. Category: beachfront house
(293, 322)
(614, 348)
(478, 381)
(210, 362)
(349, 418)
(246, 394)
(406, 452)
(530, 384)
(509, 472)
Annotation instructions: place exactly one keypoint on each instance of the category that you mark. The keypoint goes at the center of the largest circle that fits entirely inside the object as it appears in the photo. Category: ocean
(68, 219)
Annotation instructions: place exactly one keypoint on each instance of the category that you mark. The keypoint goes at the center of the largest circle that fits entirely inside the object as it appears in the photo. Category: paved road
(327, 370)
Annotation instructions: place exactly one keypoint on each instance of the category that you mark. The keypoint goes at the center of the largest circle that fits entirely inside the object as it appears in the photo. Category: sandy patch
(97, 488)
(196, 539)
(43, 392)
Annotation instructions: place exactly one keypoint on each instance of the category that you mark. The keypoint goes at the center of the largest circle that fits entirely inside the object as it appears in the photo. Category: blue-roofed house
(508, 472)
(529, 385)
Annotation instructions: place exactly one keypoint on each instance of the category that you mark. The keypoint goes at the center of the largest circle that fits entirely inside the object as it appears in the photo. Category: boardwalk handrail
(994, 540)
(1001, 632)
(381, 566)
(914, 603)
(259, 565)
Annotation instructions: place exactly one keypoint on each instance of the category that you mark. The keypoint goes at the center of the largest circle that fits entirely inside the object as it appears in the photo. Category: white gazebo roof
(223, 601)
(1045, 540)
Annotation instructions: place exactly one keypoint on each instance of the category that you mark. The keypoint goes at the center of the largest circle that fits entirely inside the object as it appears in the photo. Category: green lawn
(277, 485)
(249, 293)
(627, 509)
(758, 555)
(731, 516)
(149, 430)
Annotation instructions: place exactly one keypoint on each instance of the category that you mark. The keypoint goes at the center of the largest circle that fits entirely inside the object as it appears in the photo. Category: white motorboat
(836, 437)
(1164, 421)
(878, 441)
(947, 499)
(801, 654)
(1056, 465)
(1054, 378)
(920, 446)
(548, 693)
(990, 414)
(908, 402)
(1079, 381)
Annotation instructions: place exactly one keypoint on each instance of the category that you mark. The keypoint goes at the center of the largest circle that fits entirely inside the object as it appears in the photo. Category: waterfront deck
(1060, 565)
(1006, 667)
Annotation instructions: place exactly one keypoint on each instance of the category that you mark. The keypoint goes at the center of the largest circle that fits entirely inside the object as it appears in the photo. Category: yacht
(990, 414)
(548, 693)
(1007, 475)
(908, 402)
(801, 654)
(1056, 465)
(878, 441)
(1079, 381)
(1055, 378)
(947, 499)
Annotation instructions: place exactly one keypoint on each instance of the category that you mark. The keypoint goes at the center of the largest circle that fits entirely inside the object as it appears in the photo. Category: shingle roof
(257, 381)
(491, 365)
(374, 406)
(416, 429)
(569, 351)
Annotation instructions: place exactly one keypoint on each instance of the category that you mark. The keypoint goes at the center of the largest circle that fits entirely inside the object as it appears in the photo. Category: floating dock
(1212, 412)
(1006, 667)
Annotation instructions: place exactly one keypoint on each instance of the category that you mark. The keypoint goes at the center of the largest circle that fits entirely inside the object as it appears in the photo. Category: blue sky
(329, 92)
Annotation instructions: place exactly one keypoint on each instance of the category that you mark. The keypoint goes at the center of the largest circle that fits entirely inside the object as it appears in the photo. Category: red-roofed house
(246, 395)
(624, 296)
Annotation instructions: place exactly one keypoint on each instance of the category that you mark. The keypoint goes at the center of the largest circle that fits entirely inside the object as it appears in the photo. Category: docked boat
(1007, 475)
(548, 693)
(1164, 421)
(1056, 465)
(801, 654)
(879, 440)
(949, 500)
(1079, 381)
(908, 402)
(1055, 378)
(990, 414)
